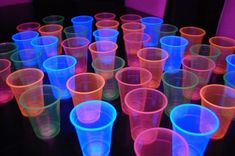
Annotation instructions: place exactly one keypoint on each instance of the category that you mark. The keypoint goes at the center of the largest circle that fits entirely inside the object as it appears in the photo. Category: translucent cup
(6, 49)
(76, 31)
(53, 19)
(103, 48)
(229, 79)
(145, 109)
(78, 48)
(28, 26)
(85, 86)
(85, 21)
(22, 80)
(94, 136)
(5, 92)
(43, 110)
(227, 47)
(230, 59)
(106, 34)
(175, 46)
(132, 27)
(160, 142)
(221, 100)
(23, 39)
(134, 42)
(196, 124)
(104, 16)
(152, 28)
(205, 50)
(108, 71)
(194, 35)
(130, 18)
(112, 24)
(59, 70)
(200, 66)
(153, 59)
(52, 30)
(130, 78)
(168, 30)
(179, 86)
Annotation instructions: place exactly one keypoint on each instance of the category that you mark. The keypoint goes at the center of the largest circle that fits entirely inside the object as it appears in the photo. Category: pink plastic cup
(112, 24)
(33, 26)
(130, 18)
(132, 27)
(104, 16)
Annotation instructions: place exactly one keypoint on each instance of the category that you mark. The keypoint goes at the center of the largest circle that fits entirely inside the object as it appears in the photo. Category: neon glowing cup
(196, 124)
(76, 31)
(6, 49)
(194, 35)
(175, 46)
(227, 47)
(230, 59)
(200, 66)
(179, 86)
(85, 86)
(130, 78)
(145, 107)
(106, 34)
(94, 135)
(28, 26)
(112, 24)
(221, 100)
(60, 69)
(22, 80)
(132, 27)
(78, 48)
(108, 71)
(54, 19)
(104, 16)
(130, 18)
(5, 92)
(229, 79)
(160, 142)
(153, 59)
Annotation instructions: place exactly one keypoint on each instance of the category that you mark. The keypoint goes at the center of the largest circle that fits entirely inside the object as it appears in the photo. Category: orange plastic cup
(52, 30)
(221, 100)
(200, 66)
(227, 47)
(130, 18)
(34, 26)
(104, 16)
(194, 35)
(153, 59)
(23, 79)
(85, 86)
(112, 24)
(132, 27)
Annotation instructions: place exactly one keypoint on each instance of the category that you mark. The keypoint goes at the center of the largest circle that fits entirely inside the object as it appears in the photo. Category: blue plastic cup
(196, 124)
(106, 34)
(229, 79)
(93, 121)
(23, 39)
(153, 26)
(60, 69)
(230, 59)
(85, 21)
(175, 46)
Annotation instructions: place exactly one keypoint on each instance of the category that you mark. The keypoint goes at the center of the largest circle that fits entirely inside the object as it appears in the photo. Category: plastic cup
(152, 28)
(27, 26)
(229, 79)
(130, 78)
(106, 34)
(27, 58)
(230, 59)
(78, 48)
(160, 142)
(200, 66)
(85, 21)
(94, 135)
(194, 35)
(52, 30)
(85, 86)
(221, 100)
(134, 42)
(5, 92)
(153, 59)
(43, 110)
(108, 71)
(196, 124)
(76, 31)
(59, 70)
(6, 49)
(130, 18)
(175, 46)
(54, 19)
(112, 24)
(104, 16)
(227, 47)
(179, 86)
(145, 109)
(132, 27)
(205, 50)
(168, 30)
(23, 39)
(22, 80)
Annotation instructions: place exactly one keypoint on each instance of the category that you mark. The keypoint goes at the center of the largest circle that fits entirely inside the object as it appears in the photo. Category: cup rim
(115, 23)
(8, 43)
(122, 18)
(203, 32)
(205, 45)
(18, 27)
(36, 34)
(41, 37)
(221, 37)
(108, 51)
(112, 15)
(90, 19)
(72, 26)
(171, 25)
(8, 64)
(106, 29)
(145, 20)
(74, 38)
(229, 61)
(58, 26)
(133, 30)
(25, 50)
(61, 18)
(139, 33)
(177, 37)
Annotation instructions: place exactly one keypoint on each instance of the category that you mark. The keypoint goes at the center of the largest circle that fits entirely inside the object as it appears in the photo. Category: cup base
(193, 151)
(110, 95)
(96, 148)
(47, 131)
(153, 84)
(5, 96)
(219, 70)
